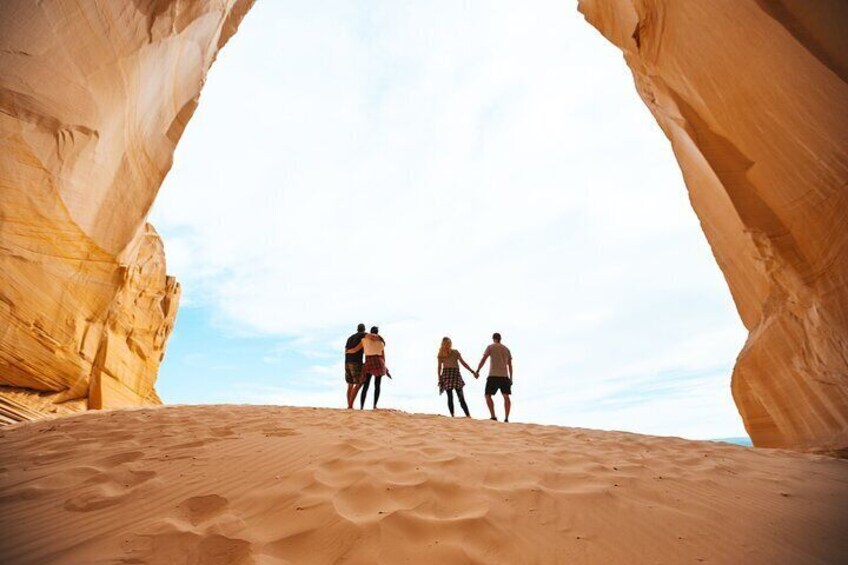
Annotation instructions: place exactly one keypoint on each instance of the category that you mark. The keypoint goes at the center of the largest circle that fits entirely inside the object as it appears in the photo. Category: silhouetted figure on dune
(500, 374)
(353, 364)
(374, 347)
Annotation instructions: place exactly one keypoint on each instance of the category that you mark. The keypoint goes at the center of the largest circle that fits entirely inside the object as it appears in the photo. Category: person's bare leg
(491, 404)
(350, 395)
(507, 406)
(354, 390)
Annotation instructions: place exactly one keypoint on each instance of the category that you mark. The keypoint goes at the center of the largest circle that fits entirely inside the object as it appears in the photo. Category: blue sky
(441, 168)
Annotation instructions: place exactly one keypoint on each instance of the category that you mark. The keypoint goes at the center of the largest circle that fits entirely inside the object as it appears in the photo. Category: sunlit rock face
(93, 99)
(753, 96)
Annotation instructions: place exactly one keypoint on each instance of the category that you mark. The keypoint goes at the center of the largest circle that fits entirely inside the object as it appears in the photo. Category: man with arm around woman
(374, 347)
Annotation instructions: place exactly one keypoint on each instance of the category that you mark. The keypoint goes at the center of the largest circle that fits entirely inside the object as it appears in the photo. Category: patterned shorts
(374, 365)
(353, 372)
(450, 379)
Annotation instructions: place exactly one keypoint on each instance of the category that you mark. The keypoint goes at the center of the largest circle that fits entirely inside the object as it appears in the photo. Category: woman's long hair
(445, 349)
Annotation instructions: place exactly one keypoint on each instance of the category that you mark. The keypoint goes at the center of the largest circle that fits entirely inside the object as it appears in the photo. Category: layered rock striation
(93, 99)
(753, 96)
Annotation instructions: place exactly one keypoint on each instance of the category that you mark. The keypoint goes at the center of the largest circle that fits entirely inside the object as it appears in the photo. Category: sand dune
(249, 484)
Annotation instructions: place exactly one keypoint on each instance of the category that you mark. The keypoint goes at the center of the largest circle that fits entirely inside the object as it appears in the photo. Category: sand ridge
(263, 484)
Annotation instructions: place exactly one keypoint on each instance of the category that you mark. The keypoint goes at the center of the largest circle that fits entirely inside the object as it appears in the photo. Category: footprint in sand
(223, 432)
(120, 459)
(49, 457)
(187, 547)
(196, 534)
(190, 445)
(26, 493)
(178, 451)
(198, 509)
(67, 479)
(115, 437)
(108, 488)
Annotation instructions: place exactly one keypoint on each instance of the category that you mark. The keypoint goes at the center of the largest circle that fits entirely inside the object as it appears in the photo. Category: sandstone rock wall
(753, 96)
(93, 98)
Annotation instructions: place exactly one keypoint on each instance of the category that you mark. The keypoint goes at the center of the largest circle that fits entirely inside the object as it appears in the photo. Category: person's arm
(464, 364)
(354, 349)
(483, 360)
(439, 371)
(509, 368)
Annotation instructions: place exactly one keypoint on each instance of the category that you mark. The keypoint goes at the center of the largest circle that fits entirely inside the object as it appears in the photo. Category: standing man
(353, 364)
(500, 374)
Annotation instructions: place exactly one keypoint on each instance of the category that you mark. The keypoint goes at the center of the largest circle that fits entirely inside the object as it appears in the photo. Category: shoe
(493, 418)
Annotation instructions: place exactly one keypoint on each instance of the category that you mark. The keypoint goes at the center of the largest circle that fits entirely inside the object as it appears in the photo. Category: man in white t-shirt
(500, 374)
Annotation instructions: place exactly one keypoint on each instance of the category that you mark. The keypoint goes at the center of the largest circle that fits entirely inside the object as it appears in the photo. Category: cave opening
(494, 170)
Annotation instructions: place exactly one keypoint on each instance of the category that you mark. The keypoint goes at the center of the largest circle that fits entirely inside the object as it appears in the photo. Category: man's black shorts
(495, 384)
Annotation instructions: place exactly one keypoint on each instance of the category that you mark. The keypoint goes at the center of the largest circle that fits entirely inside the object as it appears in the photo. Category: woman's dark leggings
(461, 398)
(365, 390)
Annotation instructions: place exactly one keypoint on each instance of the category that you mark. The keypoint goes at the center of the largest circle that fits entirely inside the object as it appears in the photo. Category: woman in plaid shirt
(449, 377)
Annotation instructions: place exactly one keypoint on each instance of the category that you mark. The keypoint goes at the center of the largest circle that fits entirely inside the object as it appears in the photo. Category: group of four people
(359, 372)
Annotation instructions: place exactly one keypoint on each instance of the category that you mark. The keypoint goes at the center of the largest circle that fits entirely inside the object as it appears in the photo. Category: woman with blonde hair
(449, 376)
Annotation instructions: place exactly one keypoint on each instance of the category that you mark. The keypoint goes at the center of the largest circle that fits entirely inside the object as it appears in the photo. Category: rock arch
(94, 97)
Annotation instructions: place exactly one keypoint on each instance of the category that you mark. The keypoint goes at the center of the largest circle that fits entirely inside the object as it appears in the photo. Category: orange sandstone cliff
(753, 96)
(93, 99)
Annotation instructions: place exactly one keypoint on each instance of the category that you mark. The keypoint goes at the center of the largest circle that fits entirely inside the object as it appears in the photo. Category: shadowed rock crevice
(817, 26)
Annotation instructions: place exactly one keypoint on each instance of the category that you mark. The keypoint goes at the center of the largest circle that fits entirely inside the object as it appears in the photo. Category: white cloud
(451, 168)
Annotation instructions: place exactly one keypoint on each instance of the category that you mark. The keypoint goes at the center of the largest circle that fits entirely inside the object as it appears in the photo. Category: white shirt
(372, 346)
